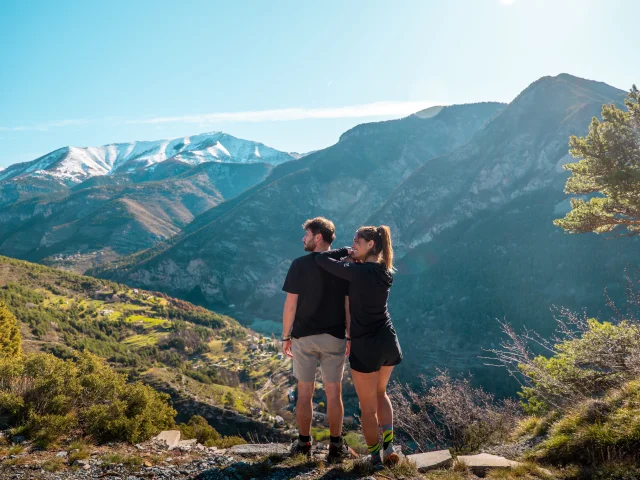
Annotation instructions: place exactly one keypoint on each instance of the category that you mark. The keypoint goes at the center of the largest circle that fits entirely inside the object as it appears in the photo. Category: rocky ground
(150, 461)
(171, 458)
(167, 456)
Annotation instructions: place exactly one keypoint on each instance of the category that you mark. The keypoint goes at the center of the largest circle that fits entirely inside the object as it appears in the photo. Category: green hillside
(148, 335)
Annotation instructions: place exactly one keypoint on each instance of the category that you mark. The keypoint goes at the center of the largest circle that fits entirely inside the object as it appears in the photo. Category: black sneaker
(300, 448)
(340, 452)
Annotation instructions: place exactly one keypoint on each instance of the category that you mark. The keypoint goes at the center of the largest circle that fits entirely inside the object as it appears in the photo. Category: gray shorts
(327, 349)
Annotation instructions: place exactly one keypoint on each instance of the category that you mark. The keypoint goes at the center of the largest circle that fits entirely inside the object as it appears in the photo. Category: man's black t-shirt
(320, 299)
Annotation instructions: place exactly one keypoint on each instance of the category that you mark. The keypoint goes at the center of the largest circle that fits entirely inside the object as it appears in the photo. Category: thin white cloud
(377, 109)
(43, 127)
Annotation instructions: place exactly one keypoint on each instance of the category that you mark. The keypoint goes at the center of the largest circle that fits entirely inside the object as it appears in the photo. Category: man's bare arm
(288, 316)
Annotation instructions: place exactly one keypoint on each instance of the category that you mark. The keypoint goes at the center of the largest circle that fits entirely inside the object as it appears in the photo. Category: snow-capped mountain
(72, 165)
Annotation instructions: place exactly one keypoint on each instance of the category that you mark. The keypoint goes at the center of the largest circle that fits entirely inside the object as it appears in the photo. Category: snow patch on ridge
(71, 165)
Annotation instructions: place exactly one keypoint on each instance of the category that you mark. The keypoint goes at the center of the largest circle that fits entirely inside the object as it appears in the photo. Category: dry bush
(451, 413)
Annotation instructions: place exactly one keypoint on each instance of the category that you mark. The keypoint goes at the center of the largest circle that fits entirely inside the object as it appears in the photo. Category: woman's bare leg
(384, 408)
(366, 388)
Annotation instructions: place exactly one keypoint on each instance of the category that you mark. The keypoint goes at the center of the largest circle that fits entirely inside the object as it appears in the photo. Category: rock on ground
(431, 460)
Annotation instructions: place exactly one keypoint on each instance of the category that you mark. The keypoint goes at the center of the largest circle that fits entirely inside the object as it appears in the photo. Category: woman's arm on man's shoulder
(326, 261)
(337, 253)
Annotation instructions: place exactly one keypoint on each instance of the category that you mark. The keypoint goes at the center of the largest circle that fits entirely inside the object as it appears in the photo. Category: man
(316, 328)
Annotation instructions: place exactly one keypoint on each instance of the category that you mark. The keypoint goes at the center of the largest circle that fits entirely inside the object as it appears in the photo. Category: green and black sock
(374, 451)
(387, 435)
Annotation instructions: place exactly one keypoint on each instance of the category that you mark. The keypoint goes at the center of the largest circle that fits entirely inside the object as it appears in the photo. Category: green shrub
(46, 430)
(228, 442)
(53, 397)
(10, 339)
(11, 403)
(139, 413)
(587, 365)
(199, 428)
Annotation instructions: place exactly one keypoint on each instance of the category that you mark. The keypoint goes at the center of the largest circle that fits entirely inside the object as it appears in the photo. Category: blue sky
(293, 75)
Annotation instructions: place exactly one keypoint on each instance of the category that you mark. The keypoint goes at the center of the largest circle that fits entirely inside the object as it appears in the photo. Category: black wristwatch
(286, 339)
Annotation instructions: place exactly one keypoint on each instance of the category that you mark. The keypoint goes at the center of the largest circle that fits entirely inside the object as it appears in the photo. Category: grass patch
(527, 427)
(460, 467)
(216, 348)
(145, 340)
(356, 441)
(288, 460)
(82, 452)
(404, 469)
(11, 462)
(53, 465)
(129, 461)
(527, 471)
(546, 423)
(149, 322)
(130, 307)
(114, 316)
(15, 450)
(359, 467)
(156, 459)
(320, 434)
(132, 461)
(111, 458)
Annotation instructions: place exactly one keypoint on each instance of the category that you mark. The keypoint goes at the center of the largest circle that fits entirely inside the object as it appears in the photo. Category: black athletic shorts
(371, 352)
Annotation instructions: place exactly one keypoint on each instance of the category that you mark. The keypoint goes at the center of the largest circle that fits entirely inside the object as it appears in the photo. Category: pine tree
(10, 340)
(608, 171)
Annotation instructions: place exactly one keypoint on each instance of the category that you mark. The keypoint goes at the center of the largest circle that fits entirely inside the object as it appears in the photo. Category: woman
(374, 345)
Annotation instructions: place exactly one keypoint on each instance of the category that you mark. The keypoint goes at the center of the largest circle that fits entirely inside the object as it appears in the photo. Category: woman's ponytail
(387, 247)
(381, 237)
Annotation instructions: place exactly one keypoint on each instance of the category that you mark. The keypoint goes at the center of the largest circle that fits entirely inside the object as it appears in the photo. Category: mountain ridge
(72, 165)
(133, 215)
(563, 100)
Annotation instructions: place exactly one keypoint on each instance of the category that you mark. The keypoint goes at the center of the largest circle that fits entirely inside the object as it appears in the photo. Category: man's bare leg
(304, 407)
(335, 407)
